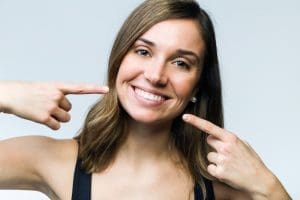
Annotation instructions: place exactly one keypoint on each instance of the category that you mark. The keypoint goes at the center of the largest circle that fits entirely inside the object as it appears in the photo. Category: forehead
(177, 34)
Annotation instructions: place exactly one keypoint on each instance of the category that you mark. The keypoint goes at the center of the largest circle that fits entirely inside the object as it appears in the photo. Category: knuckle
(226, 148)
(52, 107)
(56, 84)
(232, 138)
(222, 160)
(220, 173)
(45, 118)
(57, 95)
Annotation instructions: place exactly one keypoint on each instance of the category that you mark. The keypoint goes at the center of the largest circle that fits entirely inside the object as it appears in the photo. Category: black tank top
(82, 186)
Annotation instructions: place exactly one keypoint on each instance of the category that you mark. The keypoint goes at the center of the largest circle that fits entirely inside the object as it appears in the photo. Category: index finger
(82, 88)
(204, 125)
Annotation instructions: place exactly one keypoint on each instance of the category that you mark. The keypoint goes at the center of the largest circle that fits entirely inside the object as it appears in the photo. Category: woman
(137, 141)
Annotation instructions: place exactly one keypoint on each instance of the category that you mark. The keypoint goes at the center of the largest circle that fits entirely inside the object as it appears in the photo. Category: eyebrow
(189, 53)
(178, 52)
(147, 41)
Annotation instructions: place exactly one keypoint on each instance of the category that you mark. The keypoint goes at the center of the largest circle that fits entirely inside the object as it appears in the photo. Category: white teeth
(149, 96)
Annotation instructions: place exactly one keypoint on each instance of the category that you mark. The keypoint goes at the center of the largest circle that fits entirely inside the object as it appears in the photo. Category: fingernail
(106, 89)
(185, 117)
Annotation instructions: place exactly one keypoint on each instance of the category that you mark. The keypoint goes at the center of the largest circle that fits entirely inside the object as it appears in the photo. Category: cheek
(184, 86)
(128, 69)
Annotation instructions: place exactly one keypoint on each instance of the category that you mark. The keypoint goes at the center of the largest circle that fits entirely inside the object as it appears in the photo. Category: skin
(144, 168)
(157, 65)
(48, 102)
(18, 158)
(235, 163)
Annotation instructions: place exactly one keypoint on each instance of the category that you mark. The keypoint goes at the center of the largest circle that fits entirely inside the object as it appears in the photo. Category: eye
(182, 64)
(142, 52)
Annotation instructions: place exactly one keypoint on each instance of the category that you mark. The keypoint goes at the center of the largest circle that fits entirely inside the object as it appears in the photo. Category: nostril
(156, 80)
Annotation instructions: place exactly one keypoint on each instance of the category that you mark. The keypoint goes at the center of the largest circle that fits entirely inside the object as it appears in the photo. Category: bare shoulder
(224, 192)
(37, 163)
(57, 168)
(38, 147)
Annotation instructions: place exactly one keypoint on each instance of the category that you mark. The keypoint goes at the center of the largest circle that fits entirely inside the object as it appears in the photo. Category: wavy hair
(104, 129)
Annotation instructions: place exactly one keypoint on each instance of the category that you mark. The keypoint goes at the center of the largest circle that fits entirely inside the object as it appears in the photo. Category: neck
(146, 143)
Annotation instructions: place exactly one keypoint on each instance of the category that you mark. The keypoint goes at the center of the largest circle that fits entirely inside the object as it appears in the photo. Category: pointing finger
(204, 125)
(81, 88)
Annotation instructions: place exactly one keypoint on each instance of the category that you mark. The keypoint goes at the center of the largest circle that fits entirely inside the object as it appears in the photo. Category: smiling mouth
(149, 96)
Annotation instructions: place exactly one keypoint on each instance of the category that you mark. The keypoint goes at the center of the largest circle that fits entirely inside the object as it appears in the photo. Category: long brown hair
(104, 129)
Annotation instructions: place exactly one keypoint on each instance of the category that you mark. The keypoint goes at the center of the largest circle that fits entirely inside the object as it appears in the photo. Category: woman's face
(157, 77)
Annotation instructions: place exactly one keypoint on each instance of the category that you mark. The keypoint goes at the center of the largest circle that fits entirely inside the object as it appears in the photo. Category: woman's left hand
(234, 162)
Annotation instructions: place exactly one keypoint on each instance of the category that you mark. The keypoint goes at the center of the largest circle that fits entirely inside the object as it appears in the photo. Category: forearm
(273, 190)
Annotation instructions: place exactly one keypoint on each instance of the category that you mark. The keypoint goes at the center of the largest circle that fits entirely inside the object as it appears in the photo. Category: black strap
(198, 192)
(81, 183)
(82, 186)
(209, 191)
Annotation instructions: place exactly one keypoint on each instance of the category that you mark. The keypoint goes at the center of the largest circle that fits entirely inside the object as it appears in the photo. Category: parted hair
(105, 129)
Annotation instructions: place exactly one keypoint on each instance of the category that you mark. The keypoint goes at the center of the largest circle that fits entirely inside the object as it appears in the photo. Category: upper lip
(153, 91)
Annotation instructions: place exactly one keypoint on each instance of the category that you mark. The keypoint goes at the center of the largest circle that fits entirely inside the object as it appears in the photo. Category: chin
(150, 119)
(146, 119)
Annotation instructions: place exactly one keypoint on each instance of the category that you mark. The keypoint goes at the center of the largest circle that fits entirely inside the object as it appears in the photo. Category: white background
(258, 44)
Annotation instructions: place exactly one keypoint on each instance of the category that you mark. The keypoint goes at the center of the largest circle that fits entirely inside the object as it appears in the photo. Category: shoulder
(42, 163)
(39, 147)
(57, 166)
(223, 191)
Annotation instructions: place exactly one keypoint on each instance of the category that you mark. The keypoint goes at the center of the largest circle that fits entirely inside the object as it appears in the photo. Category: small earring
(193, 99)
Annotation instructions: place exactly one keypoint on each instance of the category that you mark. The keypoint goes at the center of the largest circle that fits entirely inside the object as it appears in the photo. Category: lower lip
(146, 102)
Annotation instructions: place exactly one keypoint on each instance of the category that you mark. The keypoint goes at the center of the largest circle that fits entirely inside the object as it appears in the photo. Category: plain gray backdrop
(258, 43)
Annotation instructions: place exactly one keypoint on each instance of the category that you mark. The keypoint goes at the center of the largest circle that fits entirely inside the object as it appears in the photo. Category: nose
(156, 73)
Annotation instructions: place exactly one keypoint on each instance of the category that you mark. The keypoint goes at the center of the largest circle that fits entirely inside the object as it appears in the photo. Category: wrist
(271, 190)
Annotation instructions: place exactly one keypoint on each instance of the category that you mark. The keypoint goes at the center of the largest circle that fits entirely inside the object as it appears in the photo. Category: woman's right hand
(42, 102)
